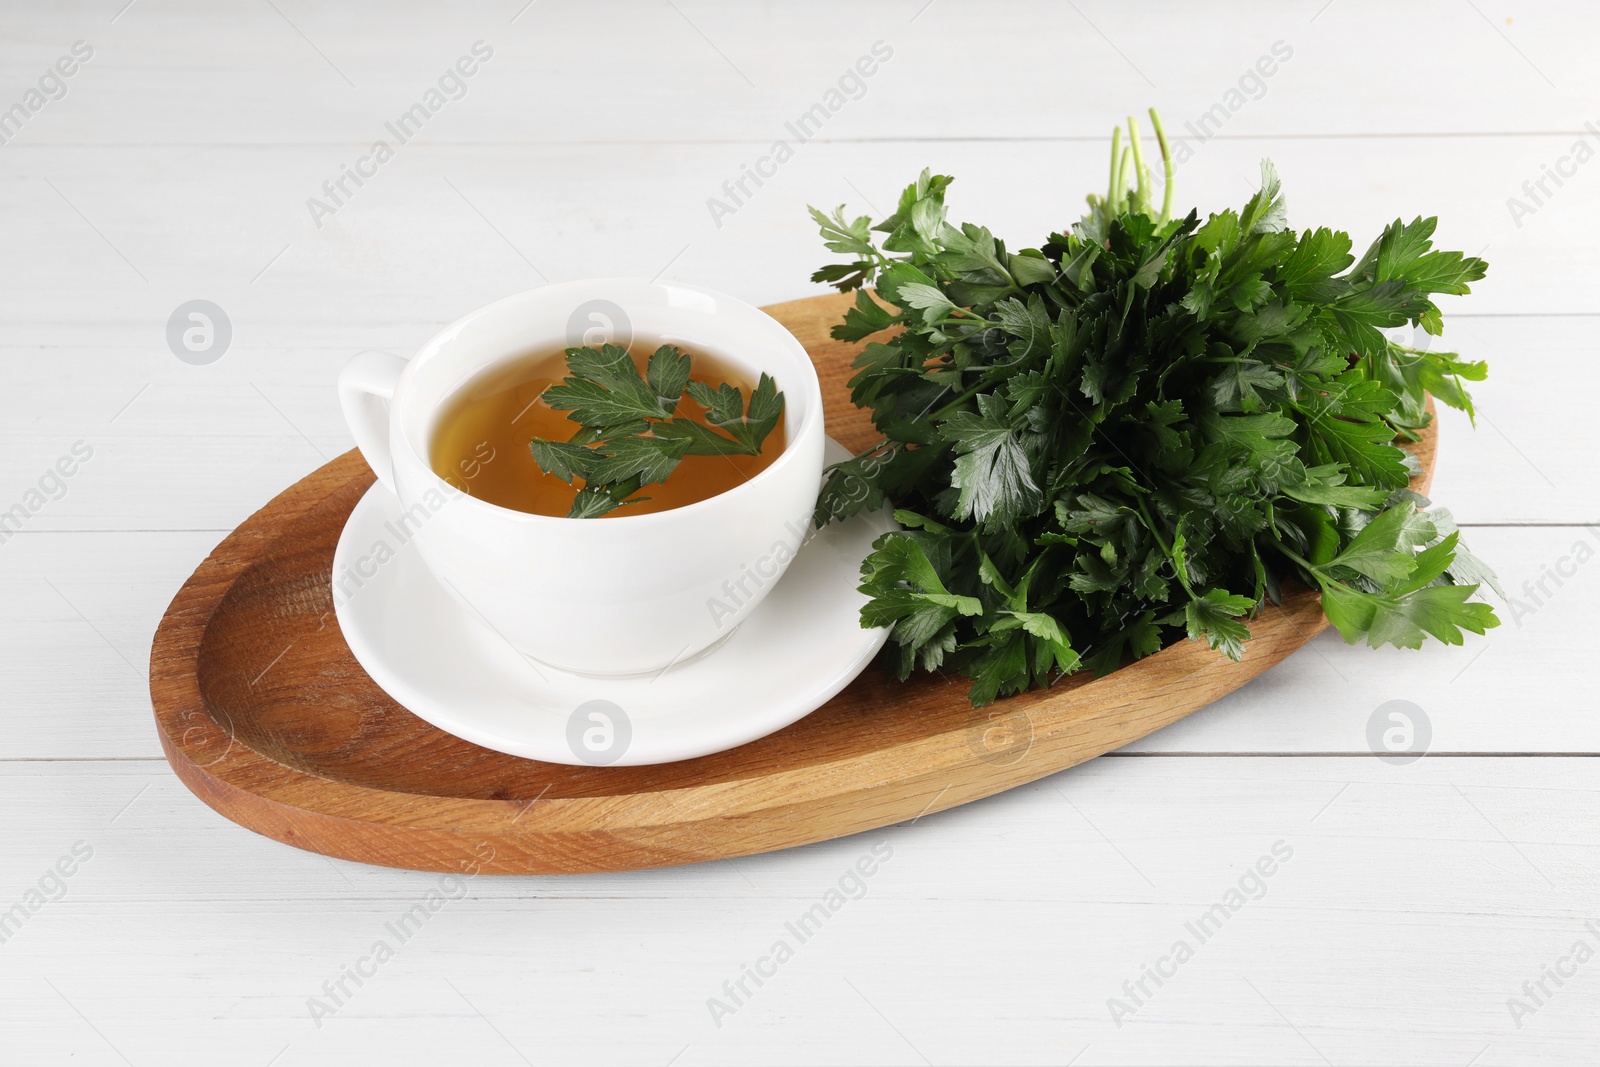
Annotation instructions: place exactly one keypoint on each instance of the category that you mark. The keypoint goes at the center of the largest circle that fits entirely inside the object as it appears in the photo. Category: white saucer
(437, 659)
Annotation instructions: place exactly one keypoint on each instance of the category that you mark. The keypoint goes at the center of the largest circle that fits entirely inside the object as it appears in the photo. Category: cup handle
(366, 391)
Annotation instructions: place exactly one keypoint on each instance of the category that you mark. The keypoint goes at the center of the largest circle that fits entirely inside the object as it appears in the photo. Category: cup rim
(809, 425)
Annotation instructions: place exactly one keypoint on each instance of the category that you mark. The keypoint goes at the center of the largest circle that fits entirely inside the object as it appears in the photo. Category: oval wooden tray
(266, 716)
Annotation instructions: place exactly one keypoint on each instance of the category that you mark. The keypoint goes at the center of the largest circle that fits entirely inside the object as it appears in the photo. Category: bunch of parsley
(1142, 429)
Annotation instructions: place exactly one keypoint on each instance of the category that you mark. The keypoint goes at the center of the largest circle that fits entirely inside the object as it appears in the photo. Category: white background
(1418, 900)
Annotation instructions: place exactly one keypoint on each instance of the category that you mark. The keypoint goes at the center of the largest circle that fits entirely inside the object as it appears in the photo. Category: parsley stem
(1149, 524)
(1114, 193)
(1310, 568)
(1140, 173)
(1166, 168)
(957, 402)
(1123, 168)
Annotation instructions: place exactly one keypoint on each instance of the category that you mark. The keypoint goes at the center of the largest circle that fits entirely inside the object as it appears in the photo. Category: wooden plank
(444, 229)
(1066, 889)
(72, 691)
(168, 437)
(725, 70)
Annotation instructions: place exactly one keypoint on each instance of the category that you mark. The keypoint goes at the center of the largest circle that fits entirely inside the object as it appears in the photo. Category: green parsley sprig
(1142, 429)
(629, 435)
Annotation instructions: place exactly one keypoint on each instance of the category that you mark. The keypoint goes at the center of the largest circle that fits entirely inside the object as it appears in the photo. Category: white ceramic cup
(625, 594)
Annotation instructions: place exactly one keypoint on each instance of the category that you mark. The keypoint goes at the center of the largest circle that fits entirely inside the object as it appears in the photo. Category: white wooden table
(1419, 905)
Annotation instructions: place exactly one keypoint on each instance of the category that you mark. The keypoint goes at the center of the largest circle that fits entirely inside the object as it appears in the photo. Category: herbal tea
(592, 432)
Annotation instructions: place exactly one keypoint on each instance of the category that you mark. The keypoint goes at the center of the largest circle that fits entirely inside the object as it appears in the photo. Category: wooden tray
(267, 717)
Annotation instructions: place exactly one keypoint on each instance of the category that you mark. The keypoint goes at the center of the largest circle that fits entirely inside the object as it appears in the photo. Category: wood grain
(266, 716)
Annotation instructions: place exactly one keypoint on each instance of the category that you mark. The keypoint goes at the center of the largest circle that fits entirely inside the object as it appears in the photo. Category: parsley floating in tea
(1140, 429)
(630, 434)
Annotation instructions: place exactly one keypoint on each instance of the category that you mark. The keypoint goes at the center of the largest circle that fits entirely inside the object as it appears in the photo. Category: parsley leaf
(629, 434)
(991, 468)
